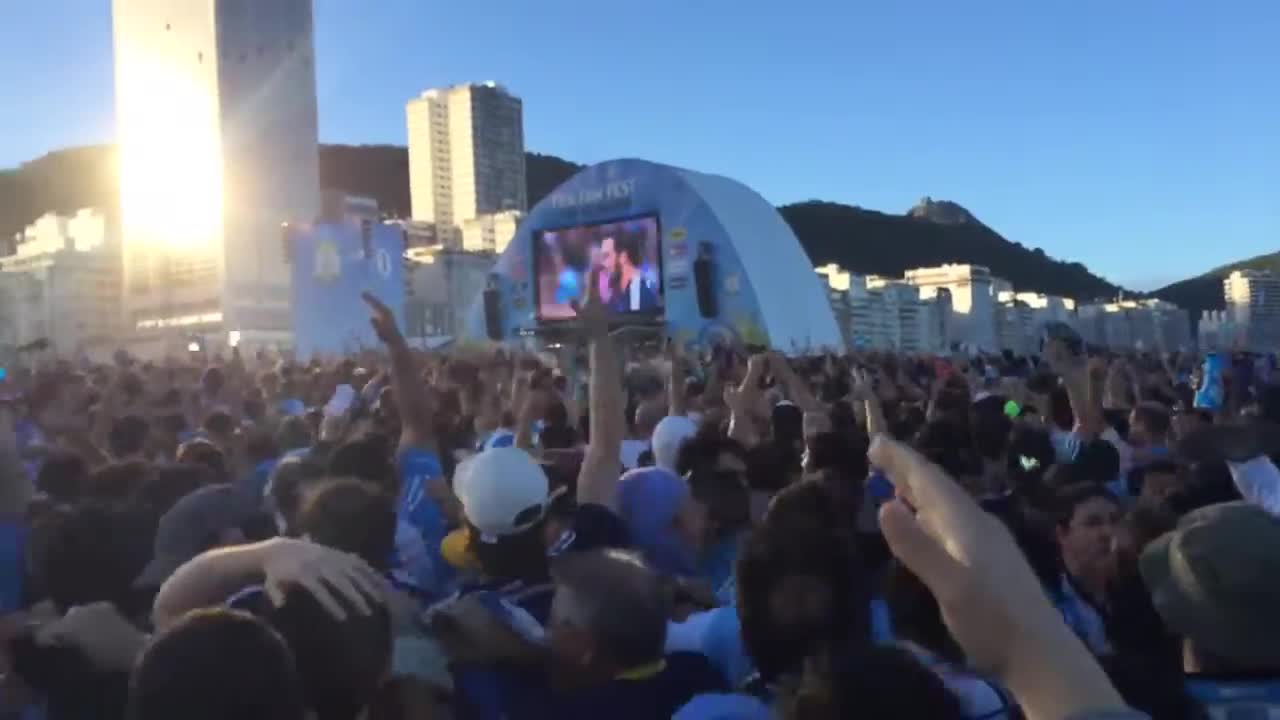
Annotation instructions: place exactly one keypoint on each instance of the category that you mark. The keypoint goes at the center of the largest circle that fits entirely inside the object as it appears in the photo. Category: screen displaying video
(627, 252)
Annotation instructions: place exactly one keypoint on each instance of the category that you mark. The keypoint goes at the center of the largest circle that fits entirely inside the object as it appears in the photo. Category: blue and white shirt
(420, 527)
(500, 438)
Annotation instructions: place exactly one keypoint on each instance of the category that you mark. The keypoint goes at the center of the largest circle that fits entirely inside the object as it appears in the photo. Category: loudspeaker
(493, 311)
(704, 283)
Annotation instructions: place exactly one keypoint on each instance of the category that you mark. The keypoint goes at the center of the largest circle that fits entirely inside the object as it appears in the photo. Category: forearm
(876, 423)
(208, 580)
(677, 403)
(412, 398)
(1088, 418)
(600, 466)
(742, 429)
(1053, 676)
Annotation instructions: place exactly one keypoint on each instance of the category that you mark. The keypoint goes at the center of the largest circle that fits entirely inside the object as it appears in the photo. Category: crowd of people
(615, 532)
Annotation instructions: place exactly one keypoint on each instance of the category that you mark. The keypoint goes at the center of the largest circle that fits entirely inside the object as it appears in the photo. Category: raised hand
(593, 315)
(990, 599)
(325, 573)
(382, 320)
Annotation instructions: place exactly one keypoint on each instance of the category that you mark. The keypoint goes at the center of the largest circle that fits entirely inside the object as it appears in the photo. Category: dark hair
(63, 475)
(1210, 483)
(769, 557)
(367, 458)
(1096, 461)
(811, 505)
(342, 663)
(843, 453)
(701, 452)
(93, 553)
(285, 487)
(521, 556)
(128, 436)
(726, 498)
(915, 615)
(1067, 499)
(293, 434)
(350, 515)
(948, 445)
(629, 244)
(1029, 456)
(881, 682)
(220, 424)
(1153, 417)
(203, 452)
(990, 430)
(117, 481)
(169, 483)
(216, 665)
(622, 602)
(260, 446)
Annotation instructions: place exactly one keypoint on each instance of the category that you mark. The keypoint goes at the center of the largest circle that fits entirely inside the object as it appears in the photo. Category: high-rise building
(217, 141)
(466, 153)
(1253, 302)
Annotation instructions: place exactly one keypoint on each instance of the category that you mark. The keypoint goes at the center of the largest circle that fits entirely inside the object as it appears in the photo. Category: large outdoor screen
(628, 252)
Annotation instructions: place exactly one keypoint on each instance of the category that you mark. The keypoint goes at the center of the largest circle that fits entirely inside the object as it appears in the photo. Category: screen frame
(638, 316)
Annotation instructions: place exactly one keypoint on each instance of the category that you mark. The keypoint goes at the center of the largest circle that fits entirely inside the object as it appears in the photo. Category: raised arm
(1086, 405)
(797, 389)
(411, 394)
(602, 462)
(743, 399)
(677, 401)
(280, 563)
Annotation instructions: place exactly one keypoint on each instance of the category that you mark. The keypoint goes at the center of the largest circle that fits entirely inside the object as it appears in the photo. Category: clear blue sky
(1140, 137)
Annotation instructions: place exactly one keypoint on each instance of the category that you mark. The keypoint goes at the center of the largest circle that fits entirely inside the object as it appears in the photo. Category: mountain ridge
(866, 241)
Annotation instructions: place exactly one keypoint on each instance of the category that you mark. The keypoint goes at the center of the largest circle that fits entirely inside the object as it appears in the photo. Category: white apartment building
(62, 284)
(876, 313)
(1016, 324)
(973, 306)
(217, 141)
(444, 284)
(1253, 304)
(1218, 331)
(1153, 325)
(490, 233)
(466, 153)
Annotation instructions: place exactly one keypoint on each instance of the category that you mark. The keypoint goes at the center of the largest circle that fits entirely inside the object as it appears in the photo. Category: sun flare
(170, 161)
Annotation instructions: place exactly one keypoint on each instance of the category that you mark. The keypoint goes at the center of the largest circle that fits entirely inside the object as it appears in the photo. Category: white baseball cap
(499, 488)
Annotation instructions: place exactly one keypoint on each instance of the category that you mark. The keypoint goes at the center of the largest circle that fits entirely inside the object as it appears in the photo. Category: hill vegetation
(865, 241)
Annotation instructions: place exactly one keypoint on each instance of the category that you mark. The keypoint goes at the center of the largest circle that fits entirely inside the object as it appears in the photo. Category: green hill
(1204, 292)
(864, 241)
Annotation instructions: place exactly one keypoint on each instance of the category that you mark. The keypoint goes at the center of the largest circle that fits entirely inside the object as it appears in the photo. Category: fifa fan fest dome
(702, 257)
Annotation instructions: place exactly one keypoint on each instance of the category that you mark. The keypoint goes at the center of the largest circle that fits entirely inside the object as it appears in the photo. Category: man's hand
(382, 320)
(324, 573)
(594, 314)
(990, 599)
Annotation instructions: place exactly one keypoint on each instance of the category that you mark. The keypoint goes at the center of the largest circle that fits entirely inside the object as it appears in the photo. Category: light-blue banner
(332, 264)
